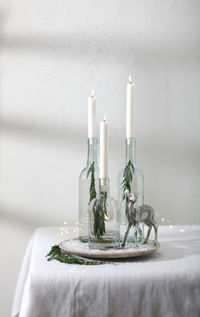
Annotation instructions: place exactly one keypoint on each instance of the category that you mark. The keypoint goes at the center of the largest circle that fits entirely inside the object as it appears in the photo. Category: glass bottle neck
(131, 150)
(104, 185)
(92, 151)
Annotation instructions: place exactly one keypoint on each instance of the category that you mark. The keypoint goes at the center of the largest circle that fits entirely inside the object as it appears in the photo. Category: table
(166, 283)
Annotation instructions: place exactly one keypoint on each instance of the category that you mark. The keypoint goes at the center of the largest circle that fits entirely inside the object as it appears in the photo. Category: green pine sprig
(56, 254)
(99, 213)
(127, 178)
(92, 189)
(99, 207)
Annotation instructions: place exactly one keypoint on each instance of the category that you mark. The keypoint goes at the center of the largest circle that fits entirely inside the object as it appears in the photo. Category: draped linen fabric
(166, 283)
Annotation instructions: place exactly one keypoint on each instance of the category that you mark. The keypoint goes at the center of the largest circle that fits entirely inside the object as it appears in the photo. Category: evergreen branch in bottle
(56, 254)
(127, 178)
(99, 212)
(92, 189)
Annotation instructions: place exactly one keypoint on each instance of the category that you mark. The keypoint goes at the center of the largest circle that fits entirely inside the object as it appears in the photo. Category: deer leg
(136, 233)
(126, 235)
(156, 232)
(148, 234)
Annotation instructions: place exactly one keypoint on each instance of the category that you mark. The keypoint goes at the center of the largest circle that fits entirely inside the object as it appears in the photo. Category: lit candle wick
(92, 93)
(129, 77)
(105, 118)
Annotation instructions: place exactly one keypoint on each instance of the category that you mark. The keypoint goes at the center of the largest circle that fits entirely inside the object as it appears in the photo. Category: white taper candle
(104, 148)
(92, 116)
(130, 109)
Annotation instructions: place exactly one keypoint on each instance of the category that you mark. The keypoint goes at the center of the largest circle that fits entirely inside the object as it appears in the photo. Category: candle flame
(92, 93)
(129, 77)
(105, 118)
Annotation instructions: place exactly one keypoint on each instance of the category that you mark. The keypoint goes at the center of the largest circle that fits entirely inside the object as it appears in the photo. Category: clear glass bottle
(87, 189)
(136, 185)
(104, 219)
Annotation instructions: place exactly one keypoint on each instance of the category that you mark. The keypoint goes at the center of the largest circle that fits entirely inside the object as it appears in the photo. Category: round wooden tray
(76, 247)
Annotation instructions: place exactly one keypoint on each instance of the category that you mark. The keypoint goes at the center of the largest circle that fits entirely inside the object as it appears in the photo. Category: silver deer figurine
(135, 215)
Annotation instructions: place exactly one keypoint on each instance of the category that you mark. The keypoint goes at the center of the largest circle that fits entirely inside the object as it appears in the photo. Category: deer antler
(126, 192)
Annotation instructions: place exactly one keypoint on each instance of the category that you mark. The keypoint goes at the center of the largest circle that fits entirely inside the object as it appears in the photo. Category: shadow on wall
(68, 46)
(27, 218)
(38, 131)
(98, 46)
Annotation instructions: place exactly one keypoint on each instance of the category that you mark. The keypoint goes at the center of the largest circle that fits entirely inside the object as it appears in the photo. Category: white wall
(52, 54)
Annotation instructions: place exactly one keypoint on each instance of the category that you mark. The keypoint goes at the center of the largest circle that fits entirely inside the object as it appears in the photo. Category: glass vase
(104, 219)
(88, 185)
(131, 178)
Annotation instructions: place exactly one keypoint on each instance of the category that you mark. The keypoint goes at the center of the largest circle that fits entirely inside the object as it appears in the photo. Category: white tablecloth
(166, 283)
